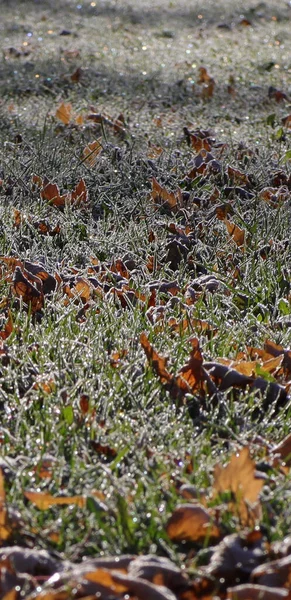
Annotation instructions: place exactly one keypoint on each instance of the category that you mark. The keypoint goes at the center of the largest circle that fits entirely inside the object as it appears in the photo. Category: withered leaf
(239, 477)
(251, 591)
(91, 152)
(158, 363)
(234, 558)
(161, 196)
(191, 522)
(273, 574)
(79, 195)
(143, 589)
(22, 288)
(64, 112)
(43, 501)
(192, 373)
(9, 327)
(237, 234)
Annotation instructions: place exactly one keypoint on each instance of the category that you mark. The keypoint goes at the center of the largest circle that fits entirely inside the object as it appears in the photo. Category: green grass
(159, 444)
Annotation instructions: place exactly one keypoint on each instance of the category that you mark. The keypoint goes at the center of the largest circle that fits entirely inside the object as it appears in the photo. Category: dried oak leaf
(235, 232)
(31, 561)
(235, 557)
(158, 570)
(22, 288)
(192, 375)
(162, 197)
(8, 328)
(239, 477)
(192, 522)
(283, 450)
(43, 501)
(276, 573)
(64, 112)
(142, 589)
(91, 152)
(251, 591)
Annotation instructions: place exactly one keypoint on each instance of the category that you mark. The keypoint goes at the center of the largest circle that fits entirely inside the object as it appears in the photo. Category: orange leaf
(24, 289)
(64, 112)
(204, 77)
(91, 152)
(237, 234)
(192, 373)
(238, 177)
(157, 362)
(238, 477)
(6, 332)
(80, 193)
(44, 501)
(162, 197)
(191, 522)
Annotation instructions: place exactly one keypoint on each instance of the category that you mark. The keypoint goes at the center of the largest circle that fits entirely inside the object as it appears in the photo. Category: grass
(133, 447)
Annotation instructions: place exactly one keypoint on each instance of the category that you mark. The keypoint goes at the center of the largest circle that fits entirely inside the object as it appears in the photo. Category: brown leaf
(237, 176)
(64, 112)
(192, 373)
(162, 197)
(250, 591)
(273, 574)
(22, 288)
(5, 527)
(9, 327)
(79, 195)
(91, 152)
(157, 362)
(204, 76)
(158, 570)
(286, 121)
(76, 75)
(283, 449)
(237, 234)
(38, 272)
(142, 589)
(43, 501)
(51, 192)
(191, 522)
(239, 477)
(235, 557)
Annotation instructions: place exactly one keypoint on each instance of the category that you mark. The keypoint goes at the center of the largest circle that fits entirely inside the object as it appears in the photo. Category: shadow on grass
(188, 14)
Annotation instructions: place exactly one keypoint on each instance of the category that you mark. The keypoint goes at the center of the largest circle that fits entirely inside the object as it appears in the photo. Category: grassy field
(145, 299)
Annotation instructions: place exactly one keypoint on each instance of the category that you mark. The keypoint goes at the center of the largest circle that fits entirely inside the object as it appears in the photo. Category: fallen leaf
(235, 557)
(237, 234)
(251, 591)
(192, 373)
(239, 477)
(158, 363)
(9, 327)
(191, 522)
(91, 152)
(43, 501)
(79, 195)
(22, 288)
(162, 197)
(273, 574)
(64, 112)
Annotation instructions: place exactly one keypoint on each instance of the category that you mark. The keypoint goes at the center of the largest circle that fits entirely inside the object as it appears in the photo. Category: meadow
(145, 361)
